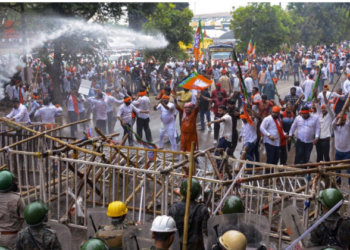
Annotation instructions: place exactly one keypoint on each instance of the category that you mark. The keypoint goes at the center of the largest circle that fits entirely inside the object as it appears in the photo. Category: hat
(218, 84)
(276, 109)
(326, 86)
(243, 116)
(348, 75)
(323, 106)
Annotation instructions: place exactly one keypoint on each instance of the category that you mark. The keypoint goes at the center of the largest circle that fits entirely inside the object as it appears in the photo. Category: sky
(208, 7)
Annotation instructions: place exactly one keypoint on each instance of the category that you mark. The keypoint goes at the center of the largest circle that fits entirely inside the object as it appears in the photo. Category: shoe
(209, 129)
(201, 129)
(215, 141)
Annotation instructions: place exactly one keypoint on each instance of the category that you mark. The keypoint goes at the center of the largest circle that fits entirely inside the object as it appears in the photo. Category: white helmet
(163, 224)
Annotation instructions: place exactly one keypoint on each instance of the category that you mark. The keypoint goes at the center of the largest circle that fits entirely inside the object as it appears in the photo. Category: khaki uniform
(11, 216)
(113, 234)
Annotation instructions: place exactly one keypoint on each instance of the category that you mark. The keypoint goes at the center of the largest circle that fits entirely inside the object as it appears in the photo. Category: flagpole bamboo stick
(188, 198)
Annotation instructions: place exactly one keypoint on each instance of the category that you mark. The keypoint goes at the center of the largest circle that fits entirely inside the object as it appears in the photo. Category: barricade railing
(71, 182)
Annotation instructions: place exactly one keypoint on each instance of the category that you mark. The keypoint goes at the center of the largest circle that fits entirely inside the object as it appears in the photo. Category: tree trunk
(55, 73)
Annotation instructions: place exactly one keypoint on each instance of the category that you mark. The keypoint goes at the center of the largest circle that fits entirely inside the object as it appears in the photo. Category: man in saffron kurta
(188, 125)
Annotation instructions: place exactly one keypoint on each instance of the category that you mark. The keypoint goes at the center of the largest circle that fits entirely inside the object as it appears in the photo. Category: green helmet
(233, 205)
(330, 197)
(35, 214)
(4, 248)
(6, 181)
(95, 244)
(195, 189)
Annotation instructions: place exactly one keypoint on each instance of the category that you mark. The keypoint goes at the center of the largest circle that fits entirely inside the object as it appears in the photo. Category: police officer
(233, 240)
(198, 216)
(37, 235)
(11, 210)
(234, 205)
(95, 244)
(113, 233)
(334, 230)
(163, 231)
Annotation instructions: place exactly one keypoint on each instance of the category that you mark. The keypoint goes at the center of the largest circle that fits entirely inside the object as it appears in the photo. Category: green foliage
(174, 25)
(268, 26)
(320, 23)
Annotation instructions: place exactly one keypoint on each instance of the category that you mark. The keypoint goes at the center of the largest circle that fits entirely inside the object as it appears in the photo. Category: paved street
(206, 138)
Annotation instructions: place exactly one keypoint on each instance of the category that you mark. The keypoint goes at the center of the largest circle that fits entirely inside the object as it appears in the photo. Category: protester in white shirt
(255, 98)
(110, 110)
(47, 113)
(19, 113)
(341, 140)
(346, 85)
(249, 85)
(154, 81)
(249, 136)
(308, 127)
(274, 137)
(100, 109)
(168, 121)
(225, 134)
(307, 86)
(329, 95)
(125, 116)
(142, 123)
(325, 116)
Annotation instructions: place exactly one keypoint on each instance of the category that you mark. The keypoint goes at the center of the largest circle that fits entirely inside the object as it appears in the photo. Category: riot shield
(63, 234)
(293, 223)
(143, 235)
(96, 217)
(256, 228)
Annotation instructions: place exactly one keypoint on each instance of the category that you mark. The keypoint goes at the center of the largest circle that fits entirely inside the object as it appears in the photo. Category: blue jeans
(249, 152)
(286, 75)
(342, 156)
(201, 115)
(302, 152)
(296, 71)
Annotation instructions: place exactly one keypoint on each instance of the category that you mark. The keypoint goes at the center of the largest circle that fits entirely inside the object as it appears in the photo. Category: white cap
(163, 224)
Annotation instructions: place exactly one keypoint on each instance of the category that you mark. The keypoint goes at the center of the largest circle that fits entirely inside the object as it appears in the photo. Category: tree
(173, 24)
(268, 26)
(68, 45)
(320, 23)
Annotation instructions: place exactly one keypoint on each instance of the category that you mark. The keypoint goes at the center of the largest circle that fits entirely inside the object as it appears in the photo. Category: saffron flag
(249, 119)
(198, 38)
(195, 81)
(253, 50)
(250, 47)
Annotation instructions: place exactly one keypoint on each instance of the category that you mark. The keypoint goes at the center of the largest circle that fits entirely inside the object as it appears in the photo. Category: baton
(315, 225)
(93, 223)
(133, 236)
